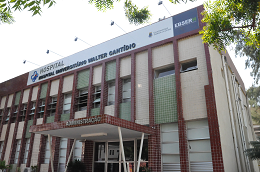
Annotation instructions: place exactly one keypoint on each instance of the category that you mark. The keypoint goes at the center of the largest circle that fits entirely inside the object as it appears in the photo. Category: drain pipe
(231, 115)
(240, 122)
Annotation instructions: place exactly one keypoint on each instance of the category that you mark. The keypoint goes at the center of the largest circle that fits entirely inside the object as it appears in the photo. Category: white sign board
(133, 40)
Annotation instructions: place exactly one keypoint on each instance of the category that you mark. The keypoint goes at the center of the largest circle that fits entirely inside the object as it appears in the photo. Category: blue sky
(30, 37)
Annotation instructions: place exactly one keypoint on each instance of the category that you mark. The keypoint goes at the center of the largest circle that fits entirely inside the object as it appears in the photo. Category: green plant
(3, 166)
(76, 166)
(34, 168)
(18, 169)
(144, 169)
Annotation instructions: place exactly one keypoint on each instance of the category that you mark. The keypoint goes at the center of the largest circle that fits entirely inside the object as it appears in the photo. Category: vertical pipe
(231, 115)
(73, 146)
(49, 138)
(140, 152)
(122, 147)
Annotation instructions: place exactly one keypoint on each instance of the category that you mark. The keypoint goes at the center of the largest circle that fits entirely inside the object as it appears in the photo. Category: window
(77, 150)
(32, 109)
(189, 66)
(23, 111)
(111, 93)
(97, 96)
(1, 148)
(83, 99)
(18, 146)
(1, 114)
(67, 103)
(26, 150)
(62, 154)
(52, 106)
(47, 151)
(164, 72)
(108, 154)
(126, 90)
(41, 107)
(8, 116)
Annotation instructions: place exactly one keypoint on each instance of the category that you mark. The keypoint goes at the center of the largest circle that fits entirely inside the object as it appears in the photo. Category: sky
(56, 28)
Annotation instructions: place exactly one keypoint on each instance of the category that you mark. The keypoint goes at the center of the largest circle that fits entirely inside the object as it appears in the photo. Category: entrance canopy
(96, 128)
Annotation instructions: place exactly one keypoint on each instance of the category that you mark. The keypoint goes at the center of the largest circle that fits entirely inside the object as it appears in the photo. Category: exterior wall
(227, 143)
(34, 93)
(9, 142)
(3, 132)
(142, 88)
(97, 75)
(2, 105)
(10, 99)
(25, 96)
(35, 150)
(54, 87)
(125, 67)
(20, 130)
(80, 114)
(163, 55)
(67, 83)
(110, 110)
(193, 82)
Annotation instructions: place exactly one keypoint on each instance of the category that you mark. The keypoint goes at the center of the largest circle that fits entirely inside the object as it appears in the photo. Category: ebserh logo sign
(185, 22)
(34, 76)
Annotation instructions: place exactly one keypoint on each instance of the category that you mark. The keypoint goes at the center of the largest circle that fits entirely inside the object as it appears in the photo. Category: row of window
(185, 67)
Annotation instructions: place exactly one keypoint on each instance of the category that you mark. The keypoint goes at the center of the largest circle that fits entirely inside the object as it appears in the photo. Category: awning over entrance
(96, 128)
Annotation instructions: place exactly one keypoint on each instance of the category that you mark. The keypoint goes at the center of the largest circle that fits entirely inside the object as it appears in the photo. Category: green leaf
(2, 0)
(12, 1)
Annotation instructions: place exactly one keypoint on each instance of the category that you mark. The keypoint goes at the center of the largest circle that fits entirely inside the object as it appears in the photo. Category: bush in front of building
(76, 166)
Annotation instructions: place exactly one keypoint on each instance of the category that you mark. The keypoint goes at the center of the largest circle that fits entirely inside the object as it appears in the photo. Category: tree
(134, 14)
(253, 94)
(234, 22)
(254, 152)
(6, 17)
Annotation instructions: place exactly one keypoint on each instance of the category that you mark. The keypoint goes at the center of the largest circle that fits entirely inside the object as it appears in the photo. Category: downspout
(240, 121)
(244, 122)
(231, 115)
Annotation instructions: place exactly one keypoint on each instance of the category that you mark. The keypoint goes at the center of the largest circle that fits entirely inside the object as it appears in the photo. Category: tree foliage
(253, 94)
(234, 22)
(254, 152)
(6, 17)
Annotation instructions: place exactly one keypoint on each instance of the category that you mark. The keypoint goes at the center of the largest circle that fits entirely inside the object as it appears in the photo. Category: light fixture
(77, 38)
(48, 51)
(112, 23)
(161, 3)
(93, 134)
(29, 62)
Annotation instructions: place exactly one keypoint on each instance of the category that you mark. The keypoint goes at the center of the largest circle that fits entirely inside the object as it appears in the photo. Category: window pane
(144, 156)
(99, 167)
(200, 133)
(113, 151)
(100, 152)
(171, 158)
(170, 148)
(112, 167)
(200, 145)
(129, 150)
(200, 157)
(170, 137)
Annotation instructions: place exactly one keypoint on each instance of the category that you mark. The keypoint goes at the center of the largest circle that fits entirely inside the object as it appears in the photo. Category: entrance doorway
(108, 156)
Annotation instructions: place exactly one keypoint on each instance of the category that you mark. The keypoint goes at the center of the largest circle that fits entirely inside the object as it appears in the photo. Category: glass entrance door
(108, 156)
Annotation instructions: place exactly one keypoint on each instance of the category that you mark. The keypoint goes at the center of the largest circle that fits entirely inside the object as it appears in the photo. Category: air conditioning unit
(27, 169)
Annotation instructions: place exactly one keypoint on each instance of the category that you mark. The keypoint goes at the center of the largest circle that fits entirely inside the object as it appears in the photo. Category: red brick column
(88, 155)
(183, 141)
(118, 91)
(104, 90)
(91, 90)
(133, 74)
(215, 142)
